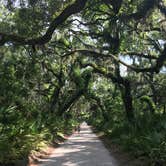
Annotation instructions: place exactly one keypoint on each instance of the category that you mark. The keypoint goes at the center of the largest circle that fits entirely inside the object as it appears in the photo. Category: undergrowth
(22, 135)
(146, 137)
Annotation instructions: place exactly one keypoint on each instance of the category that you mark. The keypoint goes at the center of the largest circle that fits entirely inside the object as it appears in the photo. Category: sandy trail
(81, 149)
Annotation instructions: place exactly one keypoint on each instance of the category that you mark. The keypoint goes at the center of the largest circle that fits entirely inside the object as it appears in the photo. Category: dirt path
(81, 149)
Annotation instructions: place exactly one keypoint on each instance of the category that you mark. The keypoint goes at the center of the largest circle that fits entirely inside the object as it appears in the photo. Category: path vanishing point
(81, 149)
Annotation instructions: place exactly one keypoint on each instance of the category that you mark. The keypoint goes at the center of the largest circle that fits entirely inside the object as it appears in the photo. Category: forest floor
(86, 149)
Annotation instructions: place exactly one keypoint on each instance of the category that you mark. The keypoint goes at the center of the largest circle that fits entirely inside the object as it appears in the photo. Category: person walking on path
(78, 128)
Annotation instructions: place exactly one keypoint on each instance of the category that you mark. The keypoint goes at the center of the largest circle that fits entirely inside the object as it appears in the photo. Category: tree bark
(128, 101)
(54, 99)
(70, 101)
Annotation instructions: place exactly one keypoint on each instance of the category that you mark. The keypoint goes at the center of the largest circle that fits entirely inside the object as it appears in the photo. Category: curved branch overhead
(162, 8)
(156, 68)
(140, 55)
(100, 61)
(143, 10)
(74, 8)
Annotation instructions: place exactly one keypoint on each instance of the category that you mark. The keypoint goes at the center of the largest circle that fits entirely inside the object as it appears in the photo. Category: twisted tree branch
(74, 8)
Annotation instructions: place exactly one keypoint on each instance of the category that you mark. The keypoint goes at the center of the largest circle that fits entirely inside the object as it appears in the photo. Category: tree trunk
(70, 101)
(164, 112)
(128, 103)
(54, 99)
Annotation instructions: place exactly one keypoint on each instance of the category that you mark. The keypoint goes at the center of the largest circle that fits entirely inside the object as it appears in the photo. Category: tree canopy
(64, 61)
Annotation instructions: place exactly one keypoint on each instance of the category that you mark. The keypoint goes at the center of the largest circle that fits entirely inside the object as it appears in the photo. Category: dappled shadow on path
(82, 149)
